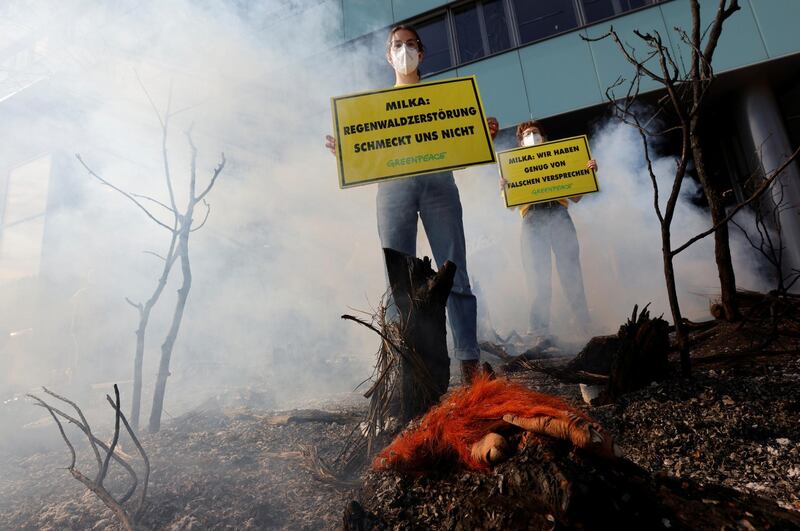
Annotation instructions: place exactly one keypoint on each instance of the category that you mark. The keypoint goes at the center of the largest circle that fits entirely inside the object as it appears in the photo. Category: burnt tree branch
(126, 520)
(766, 183)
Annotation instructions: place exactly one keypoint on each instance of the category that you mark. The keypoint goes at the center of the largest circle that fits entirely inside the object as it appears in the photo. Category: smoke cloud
(620, 243)
(284, 251)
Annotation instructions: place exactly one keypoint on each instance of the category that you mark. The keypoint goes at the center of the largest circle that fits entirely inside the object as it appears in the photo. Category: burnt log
(420, 297)
(303, 416)
(548, 485)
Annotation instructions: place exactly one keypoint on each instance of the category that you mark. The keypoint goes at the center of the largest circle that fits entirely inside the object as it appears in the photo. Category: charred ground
(735, 422)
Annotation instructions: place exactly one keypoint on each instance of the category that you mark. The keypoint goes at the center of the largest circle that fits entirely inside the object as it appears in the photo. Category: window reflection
(542, 18)
(468, 34)
(595, 10)
(437, 45)
(496, 22)
(481, 29)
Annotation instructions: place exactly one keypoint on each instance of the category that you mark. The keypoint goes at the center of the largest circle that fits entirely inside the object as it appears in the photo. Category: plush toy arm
(577, 430)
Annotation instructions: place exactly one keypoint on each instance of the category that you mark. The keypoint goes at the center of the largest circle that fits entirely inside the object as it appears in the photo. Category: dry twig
(96, 486)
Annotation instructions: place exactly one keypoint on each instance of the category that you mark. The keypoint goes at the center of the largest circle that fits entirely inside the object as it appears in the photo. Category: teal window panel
(501, 86)
(739, 45)
(560, 76)
(609, 61)
(441, 75)
(777, 20)
(406, 9)
(365, 16)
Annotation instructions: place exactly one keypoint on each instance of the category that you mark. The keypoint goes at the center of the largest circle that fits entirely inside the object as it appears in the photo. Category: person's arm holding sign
(591, 165)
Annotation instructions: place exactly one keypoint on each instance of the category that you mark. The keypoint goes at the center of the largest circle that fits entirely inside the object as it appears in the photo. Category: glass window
(541, 18)
(434, 36)
(468, 34)
(481, 29)
(496, 22)
(595, 10)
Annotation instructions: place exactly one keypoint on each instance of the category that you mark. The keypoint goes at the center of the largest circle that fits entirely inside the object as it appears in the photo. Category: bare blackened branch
(371, 327)
(66, 439)
(205, 218)
(217, 171)
(193, 169)
(83, 420)
(759, 191)
(94, 440)
(139, 448)
(116, 506)
(153, 253)
(152, 104)
(165, 157)
(102, 476)
(187, 108)
(137, 305)
(652, 174)
(723, 13)
(123, 192)
(659, 50)
(152, 200)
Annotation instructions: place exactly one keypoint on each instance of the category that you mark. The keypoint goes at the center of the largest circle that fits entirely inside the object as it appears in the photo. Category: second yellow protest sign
(410, 130)
(548, 171)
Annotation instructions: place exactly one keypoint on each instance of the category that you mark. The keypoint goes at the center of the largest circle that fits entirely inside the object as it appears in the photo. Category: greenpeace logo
(426, 157)
(547, 189)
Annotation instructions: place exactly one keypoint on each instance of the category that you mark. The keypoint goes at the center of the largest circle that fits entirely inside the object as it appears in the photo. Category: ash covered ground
(736, 422)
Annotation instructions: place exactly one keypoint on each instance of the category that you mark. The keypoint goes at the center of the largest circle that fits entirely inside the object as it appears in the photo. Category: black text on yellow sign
(410, 130)
(548, 171)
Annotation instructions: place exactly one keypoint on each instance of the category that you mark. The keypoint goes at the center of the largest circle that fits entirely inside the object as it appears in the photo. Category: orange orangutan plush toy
(469, 425)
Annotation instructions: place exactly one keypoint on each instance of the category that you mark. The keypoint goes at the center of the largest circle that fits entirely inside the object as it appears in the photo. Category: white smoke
(620, 242)
(284, 252)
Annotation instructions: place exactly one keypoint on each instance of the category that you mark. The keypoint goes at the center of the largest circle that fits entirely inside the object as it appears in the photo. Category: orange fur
(446, 433)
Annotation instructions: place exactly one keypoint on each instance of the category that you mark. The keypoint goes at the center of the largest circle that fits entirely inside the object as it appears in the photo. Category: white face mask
(531, 139)
(404, 59)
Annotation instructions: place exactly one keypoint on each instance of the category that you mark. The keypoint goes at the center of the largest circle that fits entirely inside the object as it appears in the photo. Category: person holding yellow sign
(547, 229)
(434, 199)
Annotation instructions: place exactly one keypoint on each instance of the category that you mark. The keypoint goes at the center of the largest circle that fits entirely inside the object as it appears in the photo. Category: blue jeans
(435, 199)
(549, 229)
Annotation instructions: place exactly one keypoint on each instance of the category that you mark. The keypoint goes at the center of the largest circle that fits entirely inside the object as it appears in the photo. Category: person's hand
(494, 126)
(503, 183)
(592, 164)
(330, 143)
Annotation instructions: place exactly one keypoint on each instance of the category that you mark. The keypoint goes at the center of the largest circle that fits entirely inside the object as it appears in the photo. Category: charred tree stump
(625, 362)
(549, 486)
(420, 296)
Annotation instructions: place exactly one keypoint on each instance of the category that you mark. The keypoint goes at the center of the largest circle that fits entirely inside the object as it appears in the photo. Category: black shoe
(469, 368)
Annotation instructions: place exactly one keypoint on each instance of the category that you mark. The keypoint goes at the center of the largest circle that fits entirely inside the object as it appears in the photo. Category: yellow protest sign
(410, 130)
(548, 171)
